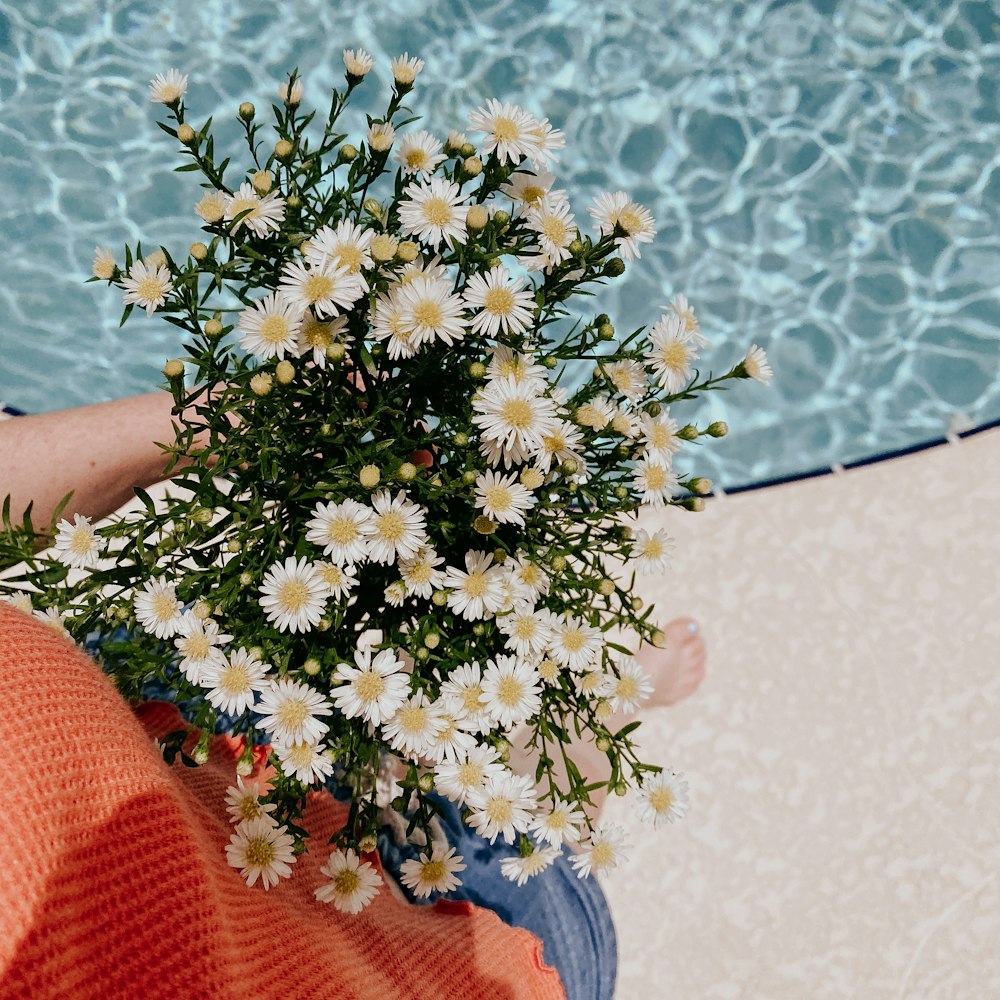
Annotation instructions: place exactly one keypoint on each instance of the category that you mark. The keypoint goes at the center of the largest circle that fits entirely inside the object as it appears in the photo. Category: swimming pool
(825, 178)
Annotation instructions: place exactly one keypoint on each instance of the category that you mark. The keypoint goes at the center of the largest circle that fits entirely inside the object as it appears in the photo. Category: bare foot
(678, 668)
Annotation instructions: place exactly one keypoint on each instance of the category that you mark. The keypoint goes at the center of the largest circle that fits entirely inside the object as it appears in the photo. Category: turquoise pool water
(825, 178)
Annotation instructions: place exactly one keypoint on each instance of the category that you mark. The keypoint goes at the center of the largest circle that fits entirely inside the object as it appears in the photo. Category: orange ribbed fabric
(114, 881)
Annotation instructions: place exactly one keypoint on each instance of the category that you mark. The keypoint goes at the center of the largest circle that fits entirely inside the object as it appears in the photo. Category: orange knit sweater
(114, 881)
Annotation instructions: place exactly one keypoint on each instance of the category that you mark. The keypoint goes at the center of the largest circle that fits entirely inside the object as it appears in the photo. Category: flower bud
(697, 504)
(621, 789)
(202, 515)
(312, 666)
(570, 467)
(603, 744)
(558, 563)
(173, 369)
(477, 369)
(426, 781)
(422, 654)
(234, 546)
(369, 477)
(260, 384)
(185, 134)
(406, 472)
(637, 603)
(472, 166)
(293, 201)
(467, 149)
(262, 181)
(198, 250)
(621, 493)
(432, 640)
(603, 710)
(407, 251)
(461, 439)
(246, 579)
(324, 625)
(368, 843)
(292, 96)
(614, 268)
(336, 353)
(606, 587)
(484, 525)
(439, 598)
(700, 486)
(247, 111)
(550, 362)
(606, 331)
(283, 149)
(202, 610)
(576, 247)
(383, 247)
(501, 218)
(477, 217)
(244, 767)
(718, 429)
(284, 371)
(213, 327)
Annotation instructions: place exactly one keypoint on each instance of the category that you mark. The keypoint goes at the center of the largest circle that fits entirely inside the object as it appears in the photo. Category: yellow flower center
(629, 220)
(500, 302)
(601, 855)
(532, 194)
(417, 158)
(530, 574)
(273, 329)
(470, 774)
(317, 286)
(510, 691)
(525, 628)
(674, 355)
(573, 640)
(149, 289)
(437, 211)
(292, 713)
(370, 685)
(656, 477)
(391, 525)
(548, 670)
(558, 819)
(164, 606)
(500, 810)
(301, 755)
(472, 702)
(249, 807)
(433, 871)
(234, 679)
(498, 497)
(661, 800)
(293, 594)
(259, 852)
(627, 688)
(428, 313)
(421, 573)
(590, 682)
(342, 530)
(506, 129)
(347, 882)
(555, 230)
(518, 413)
(475, 584)
(240, 205)
(413, 719)
(318, 335)
(653, 549)
(333, 576)
(660, 436)
(350, 256)
(81, 541)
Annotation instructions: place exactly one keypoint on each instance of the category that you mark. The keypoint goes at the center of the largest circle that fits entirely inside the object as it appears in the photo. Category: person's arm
(100, 452)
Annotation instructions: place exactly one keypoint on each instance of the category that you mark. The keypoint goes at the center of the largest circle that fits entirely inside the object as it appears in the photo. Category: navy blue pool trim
(12, 411)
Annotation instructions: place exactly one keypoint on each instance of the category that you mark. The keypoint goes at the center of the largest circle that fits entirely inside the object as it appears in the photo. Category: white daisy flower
(147, 286)
(558, 825)
(596, 413)
(684, 311)
(556, 228)
(433, 212)
(651, 552)
(505, 807)
(453, 741)
(519, 869)
(293, 95)
(507, 363)
(395, 593)
(397, 528)
(387, 324)
(423, 268)
(414, 726)
(357, 62)
(104, 265)
(430, 310)
(575, 644)
(289, 711)
(381, 136)
(54, 618)
(511, 132)
(21, 601)
(419, 573)
(515, 417)
(478, 592)
(168, 89)
(655, 480)
(464, 780)
(233, 681)
(353, 883)
(77, 544)
(628, 378)
(503, 498)
(340, 580)
(528, 188)
(663, 798)
(339, 529)
(304, 760)
(293, 595)
(462, 692)
(434, 872)
(157, 609)
(512, 690)
(327, 289)
(317, 337)
(530, 577)
(243, 800)
(374, 689)
(405, 69)
(755, 365)
(211, 208)
(547, 141)
(659, 436)
(263, 215)
(349, 245)
(606, 849)
(198, 641)
(528, 630)
(261, 850)
(503, 302)
(632, 686)
(592, 683)
(617, 210)
(419, 153)
(561, 442)
(670, 353)
(271, 327)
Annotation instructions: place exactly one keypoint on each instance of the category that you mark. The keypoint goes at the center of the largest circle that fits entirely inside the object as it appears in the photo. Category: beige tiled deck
(844, 751)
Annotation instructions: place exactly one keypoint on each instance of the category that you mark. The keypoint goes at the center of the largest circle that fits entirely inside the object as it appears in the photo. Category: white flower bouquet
(399, 534)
